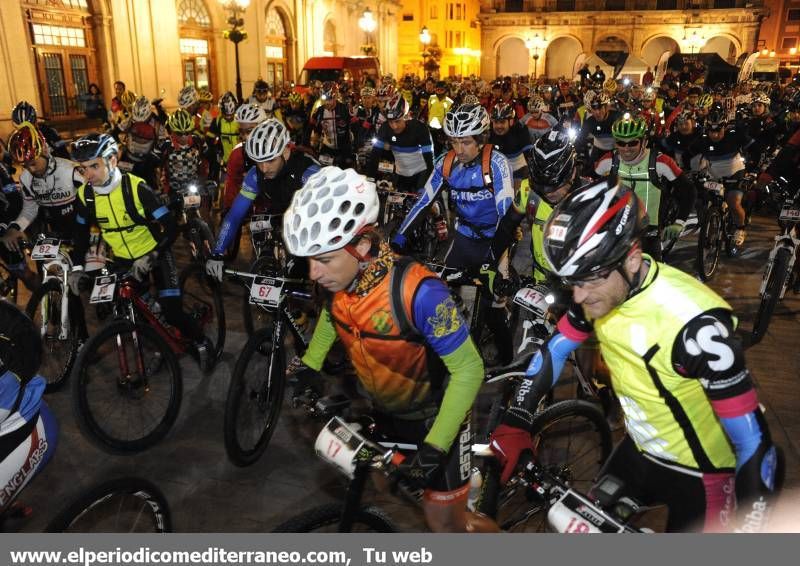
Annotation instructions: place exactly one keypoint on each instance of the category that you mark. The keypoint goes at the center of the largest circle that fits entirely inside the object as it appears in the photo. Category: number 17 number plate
(265, 291)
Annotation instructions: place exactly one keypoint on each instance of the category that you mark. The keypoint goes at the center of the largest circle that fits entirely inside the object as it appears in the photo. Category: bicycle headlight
(193, 190)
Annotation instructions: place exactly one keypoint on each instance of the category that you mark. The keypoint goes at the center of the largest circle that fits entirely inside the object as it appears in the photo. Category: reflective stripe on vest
(668, 416)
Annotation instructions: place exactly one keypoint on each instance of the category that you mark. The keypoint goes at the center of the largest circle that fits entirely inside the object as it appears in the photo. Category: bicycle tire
(592, 435)
(114, 495)
(124, 402)
(262, 318)
(202, 298)
(57, 362)
(772, 292)
(248, 392)
(709, 240)
(318, 518)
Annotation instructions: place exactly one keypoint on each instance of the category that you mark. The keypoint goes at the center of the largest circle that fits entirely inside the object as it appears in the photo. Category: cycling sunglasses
(631, 143)
(592, 281)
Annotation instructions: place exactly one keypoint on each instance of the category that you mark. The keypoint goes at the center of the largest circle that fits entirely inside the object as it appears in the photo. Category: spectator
(94, 107)
(598, 76)
(648, 77)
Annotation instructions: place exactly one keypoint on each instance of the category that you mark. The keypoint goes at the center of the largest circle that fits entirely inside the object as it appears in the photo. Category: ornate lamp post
(534, 44)
(694, 42)
(236, 35)
(367, 24)
(425, 40)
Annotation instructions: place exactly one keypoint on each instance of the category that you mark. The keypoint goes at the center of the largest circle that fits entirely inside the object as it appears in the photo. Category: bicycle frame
(788, 239)
(133, 304)
(57, 269)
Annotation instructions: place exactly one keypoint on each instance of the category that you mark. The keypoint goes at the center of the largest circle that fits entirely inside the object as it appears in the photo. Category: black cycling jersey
(514, 144)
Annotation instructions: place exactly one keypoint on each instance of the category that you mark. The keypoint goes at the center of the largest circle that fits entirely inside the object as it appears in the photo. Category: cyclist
(331, 123)
(248, 117)
(225, 128)
(648, 173)
(182, 154)
(761, 128)
(140, 155)
(410, 143)
(28, 430)
(479, 181)
(511, 138)
(695, 433)
(552, 175)
(25, 112)
(723, 149)
(135, 225)
(401, 330)
(262, 97)
(278, 173)
(537, 120)
(10, 207)
(598, 127)
(681, 139)
(364, 123)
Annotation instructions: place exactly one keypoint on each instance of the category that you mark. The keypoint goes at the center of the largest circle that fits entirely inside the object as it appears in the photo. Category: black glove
(303, 380)
(422, 467)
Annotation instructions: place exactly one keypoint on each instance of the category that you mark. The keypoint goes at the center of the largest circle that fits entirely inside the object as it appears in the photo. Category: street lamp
(535, 44)
(693, 42)
(425, 40)
(236, 35)
(367, 24)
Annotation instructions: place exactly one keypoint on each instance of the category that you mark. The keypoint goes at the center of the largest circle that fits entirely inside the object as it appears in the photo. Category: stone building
(52, 50)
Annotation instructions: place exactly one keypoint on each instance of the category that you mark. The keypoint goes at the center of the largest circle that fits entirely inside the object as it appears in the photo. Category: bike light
(193, 189)
(550, 298)
(626, 82)
(374, 140)
(572, 134)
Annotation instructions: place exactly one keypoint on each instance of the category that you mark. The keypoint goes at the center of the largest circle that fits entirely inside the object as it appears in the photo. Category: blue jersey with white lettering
(478, 209)
(28, 406)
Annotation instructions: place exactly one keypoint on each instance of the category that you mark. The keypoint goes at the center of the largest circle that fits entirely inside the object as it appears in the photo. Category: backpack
(486, 166)
(127, 197)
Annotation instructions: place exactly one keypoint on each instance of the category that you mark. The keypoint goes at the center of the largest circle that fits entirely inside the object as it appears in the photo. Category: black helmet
(92, 146)
(396, 108)
(261, 86)
(23, 112)
(593, 229)
(503, 111)
(716, 119)
(552, 162)
(20, 343)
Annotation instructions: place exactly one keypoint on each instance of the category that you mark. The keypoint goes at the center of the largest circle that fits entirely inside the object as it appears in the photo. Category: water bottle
(475, 484)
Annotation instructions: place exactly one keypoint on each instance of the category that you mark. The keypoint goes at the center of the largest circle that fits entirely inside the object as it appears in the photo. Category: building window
(434, 12)
(60, 33)
(275, 50)
(454, 39)
(408, 17)
(456, 11)
(793, 16)
(565, 5)
(615, 5)
(329, 38)
(720, 4)
(196, 43)
(789, 42)
(514, 5)
(666, 4)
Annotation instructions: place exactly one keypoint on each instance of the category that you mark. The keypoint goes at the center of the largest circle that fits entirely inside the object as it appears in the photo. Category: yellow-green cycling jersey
(538, 211)
(668, 416)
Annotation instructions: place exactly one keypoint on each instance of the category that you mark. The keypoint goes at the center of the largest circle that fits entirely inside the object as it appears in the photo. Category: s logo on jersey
(705, 342)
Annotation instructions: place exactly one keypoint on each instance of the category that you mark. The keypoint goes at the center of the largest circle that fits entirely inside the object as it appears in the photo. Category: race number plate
(790, 213)
(326, 159)
(395, 199)
(533, 299)
(575, 514)
(103, 290)
(386, 167)
(265, 291)
(192, 200)
(125, 166)
(714, 187)
(260, 223)
(338, 445)
(46, 248)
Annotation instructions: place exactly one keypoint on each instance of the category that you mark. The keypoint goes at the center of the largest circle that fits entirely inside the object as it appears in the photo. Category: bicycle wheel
(325, 519)
(124, 505)
(254, 399)
(44, 309)
(772, 293)
(709, 243)
(203, 301)
(125, 402)
(572, 440)
(256, 317)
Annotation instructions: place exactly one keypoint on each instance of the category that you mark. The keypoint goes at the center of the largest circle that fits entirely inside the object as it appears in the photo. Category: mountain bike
(780, 270)
(358, 450)
(49, 308)
(427, 238)
(256, 391)
(127, 382)
(716, 226)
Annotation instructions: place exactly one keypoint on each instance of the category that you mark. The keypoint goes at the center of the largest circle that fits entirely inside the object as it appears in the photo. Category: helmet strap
(632, 282)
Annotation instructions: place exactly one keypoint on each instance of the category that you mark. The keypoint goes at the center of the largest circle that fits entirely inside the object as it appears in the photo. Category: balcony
(518, 6)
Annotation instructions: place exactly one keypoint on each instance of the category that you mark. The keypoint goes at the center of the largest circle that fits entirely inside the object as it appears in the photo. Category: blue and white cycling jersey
(28, 407)
(478, 209)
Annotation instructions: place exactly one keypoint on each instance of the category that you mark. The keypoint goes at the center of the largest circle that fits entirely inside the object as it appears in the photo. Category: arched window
(329, 39)
(196, 43)
(276, 49)
(61, 35)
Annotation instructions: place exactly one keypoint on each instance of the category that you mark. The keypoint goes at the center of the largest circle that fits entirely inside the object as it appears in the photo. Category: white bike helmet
(761, 97)
(331, 209)
(187, 96)
(227, 103)
(466, 120)
(250, 114)
(267, 141)
(141, 110)
(536, 104)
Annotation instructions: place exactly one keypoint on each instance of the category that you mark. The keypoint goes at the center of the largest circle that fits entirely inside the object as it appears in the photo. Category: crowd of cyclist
(591, 166)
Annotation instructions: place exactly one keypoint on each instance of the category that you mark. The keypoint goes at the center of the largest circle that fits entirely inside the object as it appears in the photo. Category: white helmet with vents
(250, 114)
(267, 141)
(331, 209)
(466, 120)
(188, 96)
(141, 110)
